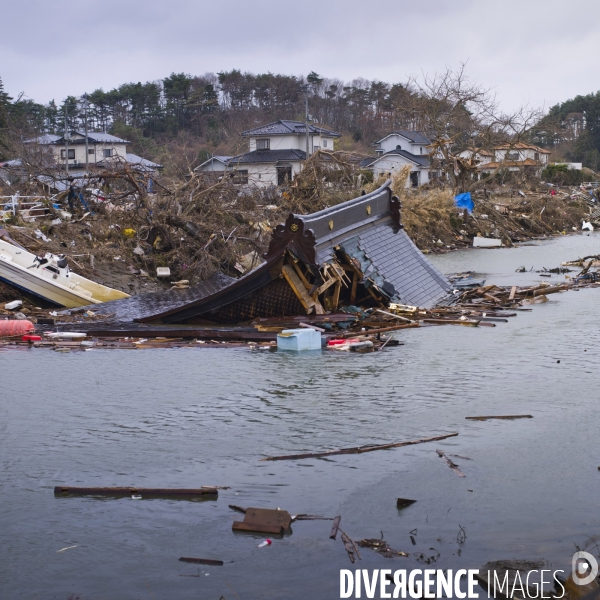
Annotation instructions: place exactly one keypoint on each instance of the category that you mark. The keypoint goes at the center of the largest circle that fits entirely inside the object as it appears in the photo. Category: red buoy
(15, 327)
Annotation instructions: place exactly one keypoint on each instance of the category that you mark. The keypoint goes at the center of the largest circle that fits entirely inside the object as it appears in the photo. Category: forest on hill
(205, 114)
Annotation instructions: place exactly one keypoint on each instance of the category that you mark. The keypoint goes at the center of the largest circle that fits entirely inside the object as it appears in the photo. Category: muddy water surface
(186, 418)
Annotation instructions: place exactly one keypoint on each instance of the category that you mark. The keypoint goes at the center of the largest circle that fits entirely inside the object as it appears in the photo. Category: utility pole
(66, 143)
(86, 135)
(307, 137)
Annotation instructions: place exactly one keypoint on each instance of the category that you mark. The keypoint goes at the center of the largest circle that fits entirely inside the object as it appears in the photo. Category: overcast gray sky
(538, 52)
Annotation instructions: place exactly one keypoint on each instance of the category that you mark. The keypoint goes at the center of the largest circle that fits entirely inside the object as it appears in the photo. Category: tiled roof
(416, 137)
(283, 127)
(521, 146)
(421, 160)
(142, 162)
(528, 162)
(46, 138)
(267, 156)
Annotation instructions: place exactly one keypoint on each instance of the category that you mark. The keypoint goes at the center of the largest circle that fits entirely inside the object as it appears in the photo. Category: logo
(584, 568)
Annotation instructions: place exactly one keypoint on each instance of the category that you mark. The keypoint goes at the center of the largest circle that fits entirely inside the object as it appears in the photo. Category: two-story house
(101, 150)
(276, 153)
(400, 148)
(520, 156)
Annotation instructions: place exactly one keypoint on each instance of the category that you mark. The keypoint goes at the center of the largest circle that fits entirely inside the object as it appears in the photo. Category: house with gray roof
(98, 150)
(276, 153)
(400, 148)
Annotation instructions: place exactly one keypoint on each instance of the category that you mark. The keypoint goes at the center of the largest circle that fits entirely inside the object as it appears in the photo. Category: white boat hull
(60, 286)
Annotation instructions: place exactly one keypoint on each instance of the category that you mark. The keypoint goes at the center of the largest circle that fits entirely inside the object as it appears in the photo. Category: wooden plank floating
(264, 520)
(202, 561)
(453, 466)
(507, 417)
(336, 526)
(360, 449)
(203, 492)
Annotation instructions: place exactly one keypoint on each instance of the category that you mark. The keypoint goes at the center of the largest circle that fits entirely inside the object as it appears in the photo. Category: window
(263, 144)
(421, 149)
(536, 156)
(107, 152)
(398, 147)
(91, 151)
(324, 143)
(512, 156)
(71, 153)
(240, 176)
(315, 148)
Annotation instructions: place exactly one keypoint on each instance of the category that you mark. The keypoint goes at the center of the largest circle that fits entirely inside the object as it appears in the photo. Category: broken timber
(507, 417)
(204, 492)
(359, 449)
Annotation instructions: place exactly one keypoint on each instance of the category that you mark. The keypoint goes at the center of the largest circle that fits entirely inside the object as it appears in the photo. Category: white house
(102, 150)
(477, 154)
(276, 153)
(518, 157)
(398, 149)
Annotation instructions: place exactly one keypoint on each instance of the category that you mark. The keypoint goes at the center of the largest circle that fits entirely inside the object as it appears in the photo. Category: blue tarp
(464, 201)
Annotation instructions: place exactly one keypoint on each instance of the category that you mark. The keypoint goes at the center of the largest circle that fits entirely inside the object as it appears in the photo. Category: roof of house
(521, 146)
(93, 137)
(416, 137)
(134, 159)
(267, 156)
(221, 159)
(528, 162)
(45, 138)
(421, 160)
(283, 127)
(15, 162)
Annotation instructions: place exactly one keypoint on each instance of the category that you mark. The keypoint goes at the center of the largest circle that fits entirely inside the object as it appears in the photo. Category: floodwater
(186, 418)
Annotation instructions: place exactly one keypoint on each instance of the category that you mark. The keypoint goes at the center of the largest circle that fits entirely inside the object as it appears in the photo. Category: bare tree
(462, 114)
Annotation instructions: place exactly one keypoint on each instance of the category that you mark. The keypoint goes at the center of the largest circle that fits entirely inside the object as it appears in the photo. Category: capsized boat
(50, 278)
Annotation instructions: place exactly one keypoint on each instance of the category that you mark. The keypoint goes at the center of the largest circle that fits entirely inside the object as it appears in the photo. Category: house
(353, 252)
(518, 157)
(215, 164)
(479, 155)
(102, 150)
(276, 153)
(401, 148)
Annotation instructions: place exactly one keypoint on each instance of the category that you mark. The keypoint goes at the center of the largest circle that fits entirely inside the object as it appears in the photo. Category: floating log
(335, 527)
(450, 463)
(202, 561)
(61, 490)
(359, 449)
(382, 330)
(509, 417)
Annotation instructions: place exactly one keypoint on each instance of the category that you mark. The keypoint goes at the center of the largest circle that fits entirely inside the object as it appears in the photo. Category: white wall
(392, 163)
(213, 166)
(119, 151)
(292, 142)
(265, 174)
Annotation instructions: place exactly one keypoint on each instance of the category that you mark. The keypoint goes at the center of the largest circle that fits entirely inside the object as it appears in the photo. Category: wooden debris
(237, 508)
(508, 417)
(335, 527)
(404, 502)
(360, 449)
(450, 463)
(60, 490)
(202, 561)
(381, 547)
(264, 520)
(351, 547)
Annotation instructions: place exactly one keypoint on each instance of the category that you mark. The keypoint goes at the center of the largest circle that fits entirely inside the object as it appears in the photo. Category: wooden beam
(307, 285)
(354, 286)
(298, 288)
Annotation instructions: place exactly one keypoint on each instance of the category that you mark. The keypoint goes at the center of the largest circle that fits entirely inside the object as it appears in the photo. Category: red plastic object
(15, 327)
(31, 338)
(340, 342)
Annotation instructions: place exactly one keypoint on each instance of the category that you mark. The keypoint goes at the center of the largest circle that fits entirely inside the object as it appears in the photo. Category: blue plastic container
(299, 339)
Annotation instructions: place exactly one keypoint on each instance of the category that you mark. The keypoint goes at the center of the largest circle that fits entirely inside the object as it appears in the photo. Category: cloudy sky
(535, 52)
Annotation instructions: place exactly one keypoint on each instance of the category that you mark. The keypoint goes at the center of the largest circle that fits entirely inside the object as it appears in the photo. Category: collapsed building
(354, 253)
